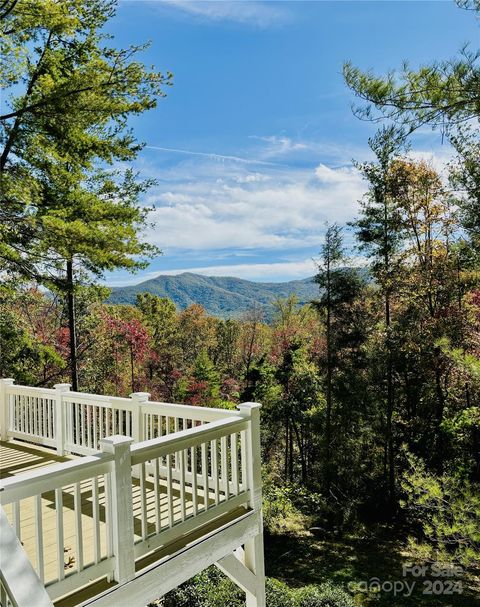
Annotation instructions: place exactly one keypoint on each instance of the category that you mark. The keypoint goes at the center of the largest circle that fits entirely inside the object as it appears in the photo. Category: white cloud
(252, 12)
(281, 148)
(251, 178)
(201, 207)
(437, 159)
(279, 145)
(339, 175)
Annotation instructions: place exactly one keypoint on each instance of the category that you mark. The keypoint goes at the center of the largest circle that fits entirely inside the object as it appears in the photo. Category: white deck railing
(182, 468)
(75, 422)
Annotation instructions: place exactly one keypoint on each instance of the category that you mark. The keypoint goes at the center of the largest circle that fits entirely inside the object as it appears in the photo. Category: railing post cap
(140, 395)
(62, 387)
(7, 380)
(248, 406)
(110, 443)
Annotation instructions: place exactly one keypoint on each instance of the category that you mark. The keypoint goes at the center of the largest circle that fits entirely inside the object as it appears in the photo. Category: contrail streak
(211, 155)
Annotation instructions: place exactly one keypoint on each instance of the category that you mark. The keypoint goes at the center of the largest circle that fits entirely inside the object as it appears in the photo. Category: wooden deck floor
(17, 457)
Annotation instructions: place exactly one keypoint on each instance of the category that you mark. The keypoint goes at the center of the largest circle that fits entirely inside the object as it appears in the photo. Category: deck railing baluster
(60, 534)
(29, 416)
(39, 538)
(234, 462)
(16, 518)
(96, 520)
(224, 466)
(216, 483)
(77, 507)
(156, 487)
(143, 501)
(89, 426)
(243, 460)
(204, 448)
(169, 490)
(182, 484)
(193, 462)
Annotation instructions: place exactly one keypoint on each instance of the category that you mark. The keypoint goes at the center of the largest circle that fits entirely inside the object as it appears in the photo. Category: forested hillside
(223, 296)
(370, 389)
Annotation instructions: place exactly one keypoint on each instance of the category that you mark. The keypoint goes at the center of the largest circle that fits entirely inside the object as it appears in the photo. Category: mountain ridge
(224, 296)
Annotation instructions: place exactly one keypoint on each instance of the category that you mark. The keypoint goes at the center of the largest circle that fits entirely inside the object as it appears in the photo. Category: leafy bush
(324, 595)
(278, 594)
(280, 515)
(447, 508)
(213, 589)
(207, 589)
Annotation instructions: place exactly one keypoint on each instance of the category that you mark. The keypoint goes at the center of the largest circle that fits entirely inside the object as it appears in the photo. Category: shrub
(212, 589)
(279, 513)
(207, 589)
(278, 594)
(448, 510)
(324, 595)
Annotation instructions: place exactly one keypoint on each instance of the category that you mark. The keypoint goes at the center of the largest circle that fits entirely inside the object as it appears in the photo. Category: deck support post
(253, 552)
(138, 399)
(255, 563)
(121, 506)
(60, 389)
(4, 407)
(138, 434)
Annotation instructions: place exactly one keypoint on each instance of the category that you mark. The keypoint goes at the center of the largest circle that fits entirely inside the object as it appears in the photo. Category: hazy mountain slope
(219, 295)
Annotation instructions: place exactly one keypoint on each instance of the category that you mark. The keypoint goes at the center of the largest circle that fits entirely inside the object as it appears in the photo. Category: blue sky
(252, 147)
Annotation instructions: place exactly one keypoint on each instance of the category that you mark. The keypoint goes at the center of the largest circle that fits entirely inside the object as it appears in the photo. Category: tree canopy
(444, 94)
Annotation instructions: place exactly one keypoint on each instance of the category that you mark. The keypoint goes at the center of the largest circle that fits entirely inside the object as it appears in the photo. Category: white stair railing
(20, 586)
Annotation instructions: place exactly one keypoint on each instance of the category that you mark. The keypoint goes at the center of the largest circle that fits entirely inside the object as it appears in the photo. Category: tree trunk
(328, 420)
(301, 449)
(390, 406)
(286, 449)
(72, 326)
(290, 458)
(440, 405)
(132, 368)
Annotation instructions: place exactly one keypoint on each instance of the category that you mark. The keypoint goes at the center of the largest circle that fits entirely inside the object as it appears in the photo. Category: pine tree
(339, 287)
(380, 234)
(66, 217)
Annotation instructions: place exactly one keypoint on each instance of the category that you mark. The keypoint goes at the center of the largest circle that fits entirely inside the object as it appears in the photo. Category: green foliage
(465, 179)
(212, 589)
(68, 216)
(379, 227)
(60, 203)
(280, 515)
(207, 589)
(28, 325)
(21, 356)
(444, 94)
(447, 508)
(324, 595)
(279, 594)
(467, 362)
(226, 297)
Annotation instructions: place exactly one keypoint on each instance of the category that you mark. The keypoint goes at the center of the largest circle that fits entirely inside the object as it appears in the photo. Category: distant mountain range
(223, 296)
